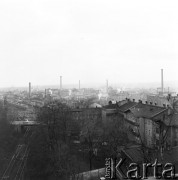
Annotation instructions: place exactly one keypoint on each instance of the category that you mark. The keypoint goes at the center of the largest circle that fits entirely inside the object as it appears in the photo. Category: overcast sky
(93, 40)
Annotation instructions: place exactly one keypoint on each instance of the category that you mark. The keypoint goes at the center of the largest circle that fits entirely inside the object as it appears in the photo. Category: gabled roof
(127, 106)
(146, 110)
(134, 153)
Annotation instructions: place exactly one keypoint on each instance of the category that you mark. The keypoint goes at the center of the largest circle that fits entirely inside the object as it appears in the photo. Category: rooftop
(127, 106)
(134, 153)
(146, 110)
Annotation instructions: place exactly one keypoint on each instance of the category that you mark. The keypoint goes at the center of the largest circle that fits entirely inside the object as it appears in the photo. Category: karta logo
(115, 168)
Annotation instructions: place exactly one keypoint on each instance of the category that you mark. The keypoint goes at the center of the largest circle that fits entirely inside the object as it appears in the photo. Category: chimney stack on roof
(110, 102)
(140, 101)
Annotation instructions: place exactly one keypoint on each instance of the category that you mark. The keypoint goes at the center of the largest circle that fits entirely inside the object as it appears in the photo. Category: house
(144, 122)
(130, 122)
(153, 121)
(110, 113)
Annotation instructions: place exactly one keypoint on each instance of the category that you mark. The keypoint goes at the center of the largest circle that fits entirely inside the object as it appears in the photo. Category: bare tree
(115, 136)
(56, 126)
(92, 133)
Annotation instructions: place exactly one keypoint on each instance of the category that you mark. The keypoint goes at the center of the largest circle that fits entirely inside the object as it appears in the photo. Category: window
(149, 132)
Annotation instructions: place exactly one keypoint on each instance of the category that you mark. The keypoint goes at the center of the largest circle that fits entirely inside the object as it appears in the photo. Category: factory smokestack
(29, 90)
(60, 82)
(162, 84)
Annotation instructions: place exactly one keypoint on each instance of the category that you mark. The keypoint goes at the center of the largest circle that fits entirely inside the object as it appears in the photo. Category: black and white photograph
(88, 89)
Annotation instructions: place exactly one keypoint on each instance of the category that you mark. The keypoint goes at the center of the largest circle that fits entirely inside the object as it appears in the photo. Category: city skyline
(83, 81)
(124, 42)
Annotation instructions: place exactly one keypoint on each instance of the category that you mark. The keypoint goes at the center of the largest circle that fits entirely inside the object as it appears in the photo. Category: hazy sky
(93, 40)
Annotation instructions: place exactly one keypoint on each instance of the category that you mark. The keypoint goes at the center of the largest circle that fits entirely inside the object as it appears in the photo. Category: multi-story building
(88, 119)
(146, 123)
(152, 122)
(130, 121)
(83, 115)
(174, 125)
(168, 100)
(109, 113)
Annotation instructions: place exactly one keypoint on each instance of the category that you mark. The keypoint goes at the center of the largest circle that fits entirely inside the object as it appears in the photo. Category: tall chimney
(29, 93)
(162, 85)
(60, 82)
(45, 93)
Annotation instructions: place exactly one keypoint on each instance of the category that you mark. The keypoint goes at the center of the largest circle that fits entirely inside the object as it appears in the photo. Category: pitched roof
(134, 153)
(146, 110)
(127, 106)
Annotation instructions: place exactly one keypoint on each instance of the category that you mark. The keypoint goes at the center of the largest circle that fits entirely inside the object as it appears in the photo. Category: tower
(29, 91)
(45, 93)
(60, 82)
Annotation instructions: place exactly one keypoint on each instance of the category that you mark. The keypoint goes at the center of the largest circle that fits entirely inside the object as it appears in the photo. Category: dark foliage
(51, 145)
(8, 139)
